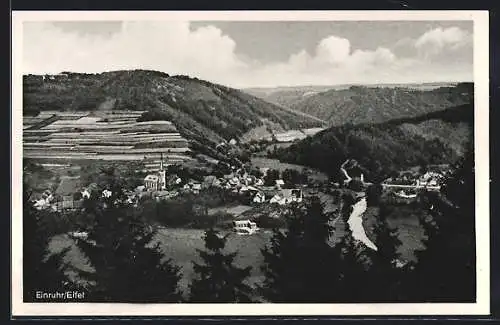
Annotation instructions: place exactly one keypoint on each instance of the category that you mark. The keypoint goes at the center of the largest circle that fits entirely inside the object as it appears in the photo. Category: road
(355, 223)
(437, 188)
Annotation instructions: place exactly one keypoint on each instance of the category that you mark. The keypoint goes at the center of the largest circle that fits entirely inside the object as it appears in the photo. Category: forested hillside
(359, 104)
(201, 110)
(435, 138)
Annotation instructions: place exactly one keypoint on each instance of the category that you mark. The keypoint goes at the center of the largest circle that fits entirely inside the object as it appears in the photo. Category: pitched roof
(151, 177)
(68, 185)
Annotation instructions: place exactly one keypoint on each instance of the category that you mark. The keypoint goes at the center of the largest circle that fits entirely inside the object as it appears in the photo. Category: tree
(292, 177)
(271, 176)
(388, 271)
(129, 264)
(299, 264)
(446, 271)
(373, 194)
(218, 280)
(355, 279)
(42, 270)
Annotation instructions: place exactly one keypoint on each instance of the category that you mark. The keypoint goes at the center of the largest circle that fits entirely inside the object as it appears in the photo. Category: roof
(288, 193)
(210, 179)
(151, 177)
(280, 182)
(68, 186)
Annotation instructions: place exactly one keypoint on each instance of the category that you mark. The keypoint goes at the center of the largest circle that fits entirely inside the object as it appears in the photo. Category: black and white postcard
(250, 163)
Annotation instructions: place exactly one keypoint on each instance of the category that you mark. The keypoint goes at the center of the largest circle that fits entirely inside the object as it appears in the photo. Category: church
(156, 182)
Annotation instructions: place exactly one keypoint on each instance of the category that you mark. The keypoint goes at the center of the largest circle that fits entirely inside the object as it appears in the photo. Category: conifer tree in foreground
(386, 275)
(129, 265)
(218, 280)
(42, 271)
(445, 271)
(299, 264)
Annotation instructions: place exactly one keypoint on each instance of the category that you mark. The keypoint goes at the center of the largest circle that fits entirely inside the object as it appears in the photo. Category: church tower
(162, 175)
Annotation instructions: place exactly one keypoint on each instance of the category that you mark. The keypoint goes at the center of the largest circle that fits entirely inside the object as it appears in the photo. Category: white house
(259, 182)
(259, 198)
(41, 204)
(277, 199)
(287, 196)
(279, 183)
(85, 194)
(244, 227)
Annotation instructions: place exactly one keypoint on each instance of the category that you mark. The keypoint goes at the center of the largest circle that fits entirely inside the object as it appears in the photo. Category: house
(66, 190)
(277, 199)
(234, 181)
(406, 195)
(233, 142)
(279, 183)
(244, 227)
(292, 195)
(42, 203)
(259, 197)
(287, 196)
(192, 187)
(196, 187)
(211, 181)
(259, 182)
(263, 171)
(85, 194)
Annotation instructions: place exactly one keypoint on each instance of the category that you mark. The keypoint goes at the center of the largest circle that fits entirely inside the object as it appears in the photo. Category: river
(355, 223)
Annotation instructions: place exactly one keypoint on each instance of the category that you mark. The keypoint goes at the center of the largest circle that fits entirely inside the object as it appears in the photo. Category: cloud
(207, 53)
(438, 45)
(439, 38)
(333, 50)
(166, 46)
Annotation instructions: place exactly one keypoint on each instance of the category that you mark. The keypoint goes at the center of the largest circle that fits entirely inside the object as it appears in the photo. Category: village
(247, 190)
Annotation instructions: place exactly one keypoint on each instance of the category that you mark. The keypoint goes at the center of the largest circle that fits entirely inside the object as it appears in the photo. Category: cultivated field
(103, 135)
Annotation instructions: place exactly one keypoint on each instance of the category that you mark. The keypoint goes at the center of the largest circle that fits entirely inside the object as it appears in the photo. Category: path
(435, 188)
(355, 223)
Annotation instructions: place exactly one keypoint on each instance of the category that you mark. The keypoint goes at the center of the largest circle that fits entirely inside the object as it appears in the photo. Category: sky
(258, 54)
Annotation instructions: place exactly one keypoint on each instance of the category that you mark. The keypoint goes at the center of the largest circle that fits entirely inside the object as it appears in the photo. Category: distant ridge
(340, 104)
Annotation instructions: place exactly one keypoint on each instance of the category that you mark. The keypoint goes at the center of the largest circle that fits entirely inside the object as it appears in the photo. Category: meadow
(181, 245)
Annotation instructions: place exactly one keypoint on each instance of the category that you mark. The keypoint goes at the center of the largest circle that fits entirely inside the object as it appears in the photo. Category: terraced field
(104, 135)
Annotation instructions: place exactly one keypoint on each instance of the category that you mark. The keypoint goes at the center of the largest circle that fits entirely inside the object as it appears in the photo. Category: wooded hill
(360, 104)
(200, 110)
(436, 138)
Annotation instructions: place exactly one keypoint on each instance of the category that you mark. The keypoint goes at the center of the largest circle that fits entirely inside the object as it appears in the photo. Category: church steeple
(162, 175)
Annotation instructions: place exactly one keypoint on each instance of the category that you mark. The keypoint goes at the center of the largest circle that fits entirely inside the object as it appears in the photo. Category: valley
(228, 156)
